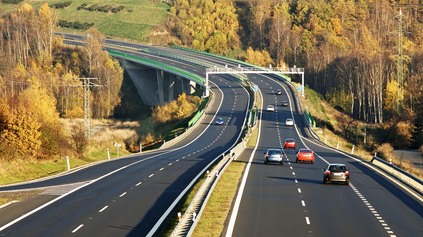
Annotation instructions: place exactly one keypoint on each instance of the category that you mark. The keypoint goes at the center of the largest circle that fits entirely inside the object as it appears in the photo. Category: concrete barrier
(408, 179)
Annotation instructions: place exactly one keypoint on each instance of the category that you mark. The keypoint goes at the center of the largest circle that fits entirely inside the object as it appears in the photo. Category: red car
(305, 155)
(289, 143)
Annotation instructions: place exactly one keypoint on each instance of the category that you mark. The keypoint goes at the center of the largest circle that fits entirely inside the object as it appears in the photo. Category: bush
(79, 139)
(75, 25)
(61, 5)
(103, 8)
(12, 1)
(82, 6)
(385, 151)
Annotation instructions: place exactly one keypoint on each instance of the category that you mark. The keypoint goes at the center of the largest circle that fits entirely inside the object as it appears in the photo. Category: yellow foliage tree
(257, 57)
(391, 95)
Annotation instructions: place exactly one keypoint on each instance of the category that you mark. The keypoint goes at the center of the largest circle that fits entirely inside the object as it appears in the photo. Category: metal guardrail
(198, 79)
(188, 220)
(408, 179)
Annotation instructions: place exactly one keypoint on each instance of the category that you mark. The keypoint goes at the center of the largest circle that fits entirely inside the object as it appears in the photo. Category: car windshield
(337, 168)
(306, 151)
(290, 140)
(271, 152)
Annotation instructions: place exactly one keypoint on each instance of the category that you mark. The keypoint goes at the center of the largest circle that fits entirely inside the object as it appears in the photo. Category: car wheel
(296, 160)
(325, 181)
(347, 182)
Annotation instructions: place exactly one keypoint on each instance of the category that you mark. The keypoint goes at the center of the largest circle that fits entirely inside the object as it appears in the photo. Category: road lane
(292, 200)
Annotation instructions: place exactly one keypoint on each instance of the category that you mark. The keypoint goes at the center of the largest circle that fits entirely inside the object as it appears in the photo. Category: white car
(289, 122)
(271, 108)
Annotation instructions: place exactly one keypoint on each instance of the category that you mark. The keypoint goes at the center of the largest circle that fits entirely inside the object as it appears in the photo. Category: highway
(131, 196)
(292, 199)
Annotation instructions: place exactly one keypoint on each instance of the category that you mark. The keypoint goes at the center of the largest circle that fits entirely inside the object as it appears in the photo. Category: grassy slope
(134, 22)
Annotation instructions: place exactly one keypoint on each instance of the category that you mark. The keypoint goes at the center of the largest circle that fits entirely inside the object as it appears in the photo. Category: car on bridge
(305, 155)
(274, 155)
(336, 173)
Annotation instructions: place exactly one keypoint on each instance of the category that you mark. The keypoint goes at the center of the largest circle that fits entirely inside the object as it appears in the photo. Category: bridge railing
(191, 76)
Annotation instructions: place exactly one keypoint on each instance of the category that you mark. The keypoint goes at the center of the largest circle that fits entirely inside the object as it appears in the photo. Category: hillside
(133, 19)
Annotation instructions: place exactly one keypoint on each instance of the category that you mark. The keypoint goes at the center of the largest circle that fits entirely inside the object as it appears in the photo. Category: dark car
(284, 103)
(336, 173)
(274, 156)
(219, 121)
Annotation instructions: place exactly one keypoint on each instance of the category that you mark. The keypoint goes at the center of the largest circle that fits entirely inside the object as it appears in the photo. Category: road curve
(127, 197)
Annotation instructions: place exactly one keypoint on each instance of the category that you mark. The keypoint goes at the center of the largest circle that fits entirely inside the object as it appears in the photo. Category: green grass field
(134, 22)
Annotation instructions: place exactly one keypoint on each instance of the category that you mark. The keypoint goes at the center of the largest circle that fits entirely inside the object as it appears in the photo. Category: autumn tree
(205, 24)
(258, 57)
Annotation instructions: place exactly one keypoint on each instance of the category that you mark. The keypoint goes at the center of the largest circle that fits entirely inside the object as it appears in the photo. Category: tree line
(364, 57)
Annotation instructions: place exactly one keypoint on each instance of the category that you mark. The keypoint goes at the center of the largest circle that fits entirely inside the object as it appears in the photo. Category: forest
(364, 57)
(40, 83)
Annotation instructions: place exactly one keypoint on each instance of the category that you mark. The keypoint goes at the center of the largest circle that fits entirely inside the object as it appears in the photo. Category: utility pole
(87, 109)
(86, 84)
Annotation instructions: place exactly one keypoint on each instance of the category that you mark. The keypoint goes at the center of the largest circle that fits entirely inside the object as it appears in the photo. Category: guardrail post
(108, 154)
(67, 162)
(352, 150)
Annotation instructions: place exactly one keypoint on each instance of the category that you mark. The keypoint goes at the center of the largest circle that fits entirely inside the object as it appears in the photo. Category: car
(305, 155)
(336, 173)
(289, 143)
(289, 122)
(219, 121)
(274, 155)
(278, 92)
(270, 108)
(284, 103)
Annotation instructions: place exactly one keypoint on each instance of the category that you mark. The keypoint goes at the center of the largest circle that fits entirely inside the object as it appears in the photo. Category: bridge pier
(157, 87)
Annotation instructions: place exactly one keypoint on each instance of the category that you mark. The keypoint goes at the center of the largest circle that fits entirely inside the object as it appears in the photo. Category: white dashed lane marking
(77, 228)
(373, 211)
(104, 208)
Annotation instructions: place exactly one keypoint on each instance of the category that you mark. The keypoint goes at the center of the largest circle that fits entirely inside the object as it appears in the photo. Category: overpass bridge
(157, 83)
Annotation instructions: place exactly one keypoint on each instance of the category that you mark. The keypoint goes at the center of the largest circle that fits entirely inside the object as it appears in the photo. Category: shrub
(79, 139)
(61, 5)
(385, 151)
(12, 1)
(82, 6)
